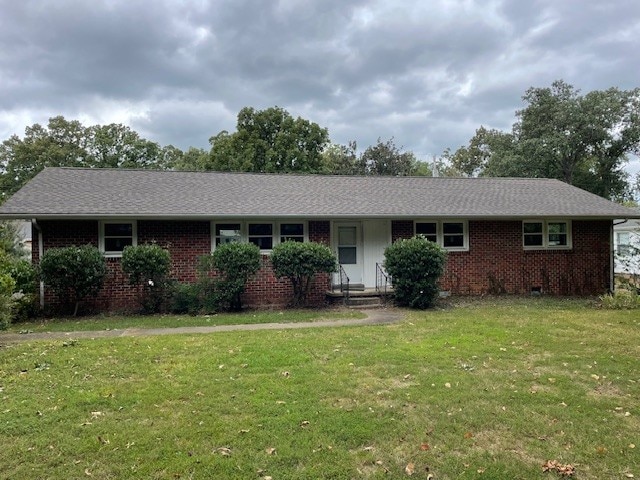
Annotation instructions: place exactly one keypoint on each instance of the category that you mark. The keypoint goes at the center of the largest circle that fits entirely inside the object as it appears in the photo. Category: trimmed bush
(415, 265)
(300, 262)
(73, 273)
(147, 267)
(24, 292)
(7, 284)
(234, 264)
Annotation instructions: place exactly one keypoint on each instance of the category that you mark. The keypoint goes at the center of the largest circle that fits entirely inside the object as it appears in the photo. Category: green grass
(480, 390)
(119, 322)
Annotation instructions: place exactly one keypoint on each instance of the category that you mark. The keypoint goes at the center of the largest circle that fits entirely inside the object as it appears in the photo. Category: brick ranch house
(503, 235)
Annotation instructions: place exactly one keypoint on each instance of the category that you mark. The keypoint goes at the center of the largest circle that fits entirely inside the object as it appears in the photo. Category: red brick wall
(186, 241)
(497, 263)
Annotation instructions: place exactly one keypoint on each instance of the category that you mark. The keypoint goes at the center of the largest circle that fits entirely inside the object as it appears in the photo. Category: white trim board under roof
(122, 193)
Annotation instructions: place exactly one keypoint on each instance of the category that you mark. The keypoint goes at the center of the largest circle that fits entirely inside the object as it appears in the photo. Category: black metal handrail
(344, 284)
(383, 280)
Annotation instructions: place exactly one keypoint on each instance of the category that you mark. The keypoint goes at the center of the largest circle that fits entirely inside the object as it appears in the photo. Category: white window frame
(244, 229)
(545, 234)
(440, 232)
(101, 236)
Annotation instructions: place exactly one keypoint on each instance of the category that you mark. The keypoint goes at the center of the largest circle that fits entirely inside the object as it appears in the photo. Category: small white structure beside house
(626, 241)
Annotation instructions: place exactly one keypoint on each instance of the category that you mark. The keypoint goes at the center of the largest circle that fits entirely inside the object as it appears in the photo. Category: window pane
(454, 240)
(346, 235)
(453, 228)
(624, 238)
(557, 239)
(264, 243)
(260, 229)
(532, 227)
(291, 239)
(227, 233)
(533, 240)
(116, 244)
(228, 229)
(347, 255)
(118, 229)
(426, 229)
(287, 229)
(557, 227)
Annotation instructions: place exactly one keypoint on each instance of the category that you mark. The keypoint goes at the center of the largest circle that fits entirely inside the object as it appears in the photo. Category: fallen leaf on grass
(424, 447)
(564, 470)
(224, 451)
(409, 469)
(304, 424)
(468, 435)
(270, 451)
(88, 473)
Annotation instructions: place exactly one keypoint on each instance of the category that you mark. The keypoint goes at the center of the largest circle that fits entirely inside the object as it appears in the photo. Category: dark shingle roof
(65, 192)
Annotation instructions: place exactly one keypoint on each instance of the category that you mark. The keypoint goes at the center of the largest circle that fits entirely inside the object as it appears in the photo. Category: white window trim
(545, 235)
(134, 233)
(244, 229)
(440, 232)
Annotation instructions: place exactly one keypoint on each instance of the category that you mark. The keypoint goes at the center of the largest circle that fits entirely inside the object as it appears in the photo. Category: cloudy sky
(427, 73)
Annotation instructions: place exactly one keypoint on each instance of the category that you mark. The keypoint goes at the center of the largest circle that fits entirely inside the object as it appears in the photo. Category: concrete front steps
(359, 297)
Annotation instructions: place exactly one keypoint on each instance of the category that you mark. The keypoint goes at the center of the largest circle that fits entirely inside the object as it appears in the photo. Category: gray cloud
(426, 73)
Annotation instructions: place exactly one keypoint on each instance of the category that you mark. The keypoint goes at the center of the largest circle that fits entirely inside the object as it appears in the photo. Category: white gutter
(35, 225)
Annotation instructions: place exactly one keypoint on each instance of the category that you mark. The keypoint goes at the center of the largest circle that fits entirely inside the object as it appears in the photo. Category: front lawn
(484, 390)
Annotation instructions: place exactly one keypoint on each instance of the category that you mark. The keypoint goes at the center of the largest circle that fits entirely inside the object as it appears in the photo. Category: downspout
(34, 224)
(612, 275)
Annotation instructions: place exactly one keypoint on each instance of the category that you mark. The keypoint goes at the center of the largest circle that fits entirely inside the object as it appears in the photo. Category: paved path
(374, 317)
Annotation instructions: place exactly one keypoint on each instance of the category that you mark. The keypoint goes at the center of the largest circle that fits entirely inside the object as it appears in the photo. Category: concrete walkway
(373, 317)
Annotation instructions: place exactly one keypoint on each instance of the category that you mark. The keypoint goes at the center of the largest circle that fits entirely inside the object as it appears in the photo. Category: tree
(583, 140)
(341, 159)
(67, 143)
(384, 158)
(271, 141)
(300, 263)
(117, 146)
(415, 265)
(73, 273)
(193, 159)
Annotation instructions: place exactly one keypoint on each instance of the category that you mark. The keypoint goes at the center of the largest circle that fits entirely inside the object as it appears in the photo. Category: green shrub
(300, 262)
(186, 298)
(7, 285)
(415, 265)
(24, 291)
(73, 273)
(621, 299)
(147, 267)
(233, 264)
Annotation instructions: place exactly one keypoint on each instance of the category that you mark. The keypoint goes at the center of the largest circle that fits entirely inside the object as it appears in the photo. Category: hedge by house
(415, 265)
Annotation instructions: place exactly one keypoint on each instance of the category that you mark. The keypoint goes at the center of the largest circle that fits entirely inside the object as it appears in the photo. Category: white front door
(347, 239)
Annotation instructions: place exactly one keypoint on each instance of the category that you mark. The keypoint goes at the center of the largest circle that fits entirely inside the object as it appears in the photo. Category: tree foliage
(583, 140)
(67, 143)
(415, 265)
(385, 158)
(300, 262)
(73, 273)
(269, 140)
